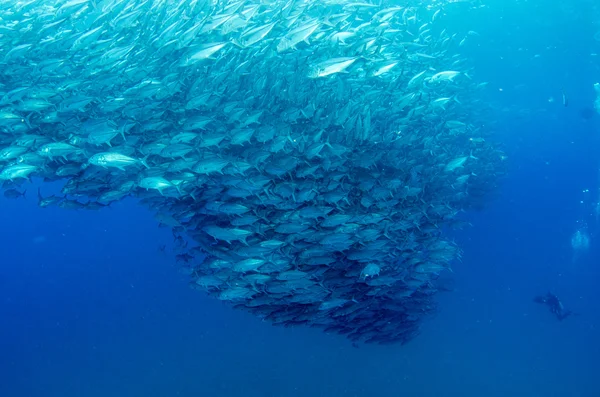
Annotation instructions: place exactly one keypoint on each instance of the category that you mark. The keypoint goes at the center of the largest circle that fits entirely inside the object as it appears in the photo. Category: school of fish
(307, 155)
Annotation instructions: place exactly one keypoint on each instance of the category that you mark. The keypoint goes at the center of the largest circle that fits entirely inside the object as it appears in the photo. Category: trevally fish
(115, 160)
(306, 156)
(331, 66)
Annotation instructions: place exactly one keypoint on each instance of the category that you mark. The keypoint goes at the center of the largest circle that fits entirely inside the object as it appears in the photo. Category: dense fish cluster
(313, 151)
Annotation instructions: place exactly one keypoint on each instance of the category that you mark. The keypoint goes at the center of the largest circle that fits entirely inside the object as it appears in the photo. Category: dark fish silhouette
(14, 193)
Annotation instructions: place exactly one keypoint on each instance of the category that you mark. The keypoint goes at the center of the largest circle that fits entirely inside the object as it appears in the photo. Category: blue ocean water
(92, 307)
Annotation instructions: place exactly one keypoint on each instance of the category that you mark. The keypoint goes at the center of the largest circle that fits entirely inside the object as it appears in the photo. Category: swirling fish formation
(311, 151)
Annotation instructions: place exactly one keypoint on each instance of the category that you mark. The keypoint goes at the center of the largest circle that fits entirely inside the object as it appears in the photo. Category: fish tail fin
(178, 189)
(386, 231)
(144, 163)
(473, 157)
(237, 44)
(27, 120)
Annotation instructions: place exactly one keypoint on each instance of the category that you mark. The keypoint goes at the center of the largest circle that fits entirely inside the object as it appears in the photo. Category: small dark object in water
(587, 113)
(14, 193)
(555, 305)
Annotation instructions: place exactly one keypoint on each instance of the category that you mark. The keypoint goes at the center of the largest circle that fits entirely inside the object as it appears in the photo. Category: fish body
(448, 75)
(58, 149)
(331, 66)
(297, 36)
(20, 171)
(114, 160)
(458, 162)
(332, 303)
(204, 52)
(156, 183)
(12, 152)
(370, 270)
(248, 265)
(14, 193)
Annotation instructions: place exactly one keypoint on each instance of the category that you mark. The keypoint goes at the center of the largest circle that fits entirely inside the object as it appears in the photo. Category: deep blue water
(90, 307)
